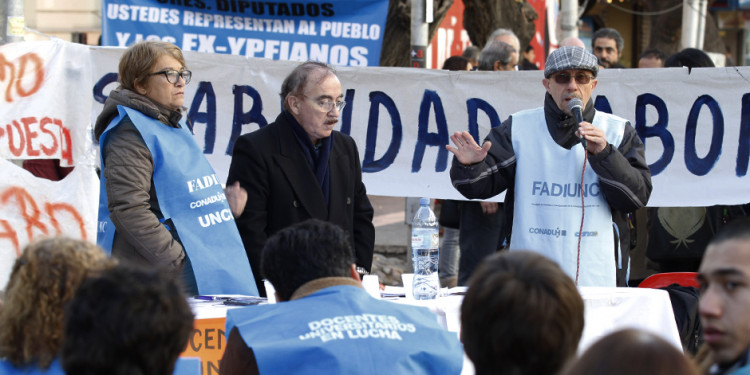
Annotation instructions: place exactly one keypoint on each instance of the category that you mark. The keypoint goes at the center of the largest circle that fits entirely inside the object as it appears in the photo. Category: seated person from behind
(126, 321)
(326, 322)
(522, 315)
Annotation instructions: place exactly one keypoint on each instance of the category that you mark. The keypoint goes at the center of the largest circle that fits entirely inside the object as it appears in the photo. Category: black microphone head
(575, 103)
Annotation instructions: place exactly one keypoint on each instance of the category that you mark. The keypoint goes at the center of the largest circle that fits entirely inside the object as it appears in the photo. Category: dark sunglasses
(564, 78)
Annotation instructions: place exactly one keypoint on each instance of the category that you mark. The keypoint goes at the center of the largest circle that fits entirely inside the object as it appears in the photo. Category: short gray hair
(495, 51)
(300, 78)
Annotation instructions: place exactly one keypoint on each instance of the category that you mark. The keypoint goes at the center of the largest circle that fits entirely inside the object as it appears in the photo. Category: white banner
(696, 126)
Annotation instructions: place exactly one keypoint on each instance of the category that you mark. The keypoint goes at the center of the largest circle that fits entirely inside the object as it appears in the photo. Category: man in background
(607, 44)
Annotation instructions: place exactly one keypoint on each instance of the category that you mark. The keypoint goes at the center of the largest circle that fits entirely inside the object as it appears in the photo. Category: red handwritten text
(35, 222)
(29, 64)
(31, 137)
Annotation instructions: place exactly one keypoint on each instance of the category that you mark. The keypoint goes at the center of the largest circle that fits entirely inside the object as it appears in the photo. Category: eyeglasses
(173, 75)
(564, 78)
(327, 104)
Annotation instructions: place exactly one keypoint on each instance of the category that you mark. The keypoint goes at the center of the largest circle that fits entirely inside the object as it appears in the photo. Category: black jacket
(282, 190)
(623, 173)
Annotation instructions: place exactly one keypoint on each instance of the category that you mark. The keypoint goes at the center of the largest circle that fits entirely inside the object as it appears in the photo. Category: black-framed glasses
(327, 104)
(173, 75)
(564, 78)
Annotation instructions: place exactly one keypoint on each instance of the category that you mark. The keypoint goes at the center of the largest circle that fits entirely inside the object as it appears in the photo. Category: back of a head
(629, 352)
(472, 53)
(456, 63)
(127, 320)
(521, 315)
(691, 58)
(303, 252)
(505, 35)
(43, 279)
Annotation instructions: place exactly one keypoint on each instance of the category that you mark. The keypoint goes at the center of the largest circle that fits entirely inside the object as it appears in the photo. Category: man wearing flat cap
(535, 155)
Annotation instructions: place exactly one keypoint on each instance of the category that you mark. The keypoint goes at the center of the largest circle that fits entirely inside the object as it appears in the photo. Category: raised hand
(467, 150)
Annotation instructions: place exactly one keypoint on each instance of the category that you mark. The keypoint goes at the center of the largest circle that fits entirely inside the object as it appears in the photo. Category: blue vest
(547, 200)
(342, 330)
(191, 196)
(6, 368)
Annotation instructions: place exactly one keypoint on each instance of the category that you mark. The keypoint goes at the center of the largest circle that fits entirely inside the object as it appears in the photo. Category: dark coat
(282, 190)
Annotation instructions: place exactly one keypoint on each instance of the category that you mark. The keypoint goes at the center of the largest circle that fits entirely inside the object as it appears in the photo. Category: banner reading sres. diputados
(338, 32)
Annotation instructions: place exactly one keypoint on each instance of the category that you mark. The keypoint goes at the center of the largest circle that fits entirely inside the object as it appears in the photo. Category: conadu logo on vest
(557, 232)
(551, 189)
(361, 326)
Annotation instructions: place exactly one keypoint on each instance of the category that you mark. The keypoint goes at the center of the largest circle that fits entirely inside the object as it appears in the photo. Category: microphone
(575, 106)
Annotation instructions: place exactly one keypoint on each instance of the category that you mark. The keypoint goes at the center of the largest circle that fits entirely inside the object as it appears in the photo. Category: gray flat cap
(570, 57)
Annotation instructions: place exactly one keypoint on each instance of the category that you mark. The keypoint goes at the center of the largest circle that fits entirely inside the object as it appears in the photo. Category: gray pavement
(392, 237)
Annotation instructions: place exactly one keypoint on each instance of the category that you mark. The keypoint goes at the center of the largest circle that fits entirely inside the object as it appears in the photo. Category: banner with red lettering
(45, 114)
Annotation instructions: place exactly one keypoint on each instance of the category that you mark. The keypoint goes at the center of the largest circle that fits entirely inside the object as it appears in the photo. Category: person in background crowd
(326, 322)
(457, 63)
(298, 168)
(652, 58)
(607, 45)
(506, 36)
(572, 41)
(498, 56)
(126, 320)
(522, 315)
(534, 149)
(724, 280)
(449, 212)
(481, 223)
(472, 53)
(631, 351)
(528, 59)
(690, 58)
(152, 170)
(43, 279)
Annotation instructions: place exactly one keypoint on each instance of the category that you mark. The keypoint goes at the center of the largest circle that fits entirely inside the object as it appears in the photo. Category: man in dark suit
(298, 168)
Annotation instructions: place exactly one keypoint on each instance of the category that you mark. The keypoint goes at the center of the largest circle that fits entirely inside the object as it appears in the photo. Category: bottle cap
(424, 201)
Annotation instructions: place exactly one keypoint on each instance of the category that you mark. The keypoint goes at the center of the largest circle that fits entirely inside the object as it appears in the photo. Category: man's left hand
(596, 141)
(236, 197)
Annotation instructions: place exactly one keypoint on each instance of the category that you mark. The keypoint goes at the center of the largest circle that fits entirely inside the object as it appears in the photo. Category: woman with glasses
(161, 203)
(300, 168)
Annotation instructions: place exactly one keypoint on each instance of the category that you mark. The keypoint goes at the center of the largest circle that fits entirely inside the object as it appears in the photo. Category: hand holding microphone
(575, 106)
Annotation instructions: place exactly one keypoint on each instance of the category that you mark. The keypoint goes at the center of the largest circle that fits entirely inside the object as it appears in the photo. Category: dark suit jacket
(282, 190)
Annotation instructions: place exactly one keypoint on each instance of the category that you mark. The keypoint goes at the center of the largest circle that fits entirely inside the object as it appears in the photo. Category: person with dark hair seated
(522, 315)
(126, 321)
(632, 351)
(326, 322)
(43, 279)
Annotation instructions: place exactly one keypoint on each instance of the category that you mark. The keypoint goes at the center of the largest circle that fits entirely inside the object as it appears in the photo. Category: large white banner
(696, 126)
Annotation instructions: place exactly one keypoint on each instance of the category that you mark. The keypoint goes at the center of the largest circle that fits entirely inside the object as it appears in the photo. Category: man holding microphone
(562, 199)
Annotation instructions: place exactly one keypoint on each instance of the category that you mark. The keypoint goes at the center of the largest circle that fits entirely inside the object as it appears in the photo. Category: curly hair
(43, 279)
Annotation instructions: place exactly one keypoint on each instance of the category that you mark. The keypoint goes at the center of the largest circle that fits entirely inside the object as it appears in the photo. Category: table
(606, 310)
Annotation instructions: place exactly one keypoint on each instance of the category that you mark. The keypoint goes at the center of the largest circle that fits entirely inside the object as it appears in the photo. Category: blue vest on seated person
(191, 196)
(342, 330)
(547, 210)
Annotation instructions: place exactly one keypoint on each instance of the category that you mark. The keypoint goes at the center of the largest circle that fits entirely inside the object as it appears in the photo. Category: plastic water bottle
(425, 239)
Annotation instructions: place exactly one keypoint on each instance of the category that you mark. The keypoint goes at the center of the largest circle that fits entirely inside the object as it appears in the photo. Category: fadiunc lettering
(551, 189)
(202, 183)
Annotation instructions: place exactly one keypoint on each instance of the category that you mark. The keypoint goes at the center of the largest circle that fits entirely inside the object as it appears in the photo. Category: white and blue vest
(191, 196)
(342, 330)
(547, 201)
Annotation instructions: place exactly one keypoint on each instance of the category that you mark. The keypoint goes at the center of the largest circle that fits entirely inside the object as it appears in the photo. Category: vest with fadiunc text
(191, 196)
(547, 211)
